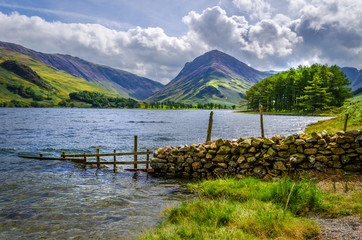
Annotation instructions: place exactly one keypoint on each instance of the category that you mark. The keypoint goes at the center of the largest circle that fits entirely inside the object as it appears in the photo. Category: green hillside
(56, 84)
(213, 77)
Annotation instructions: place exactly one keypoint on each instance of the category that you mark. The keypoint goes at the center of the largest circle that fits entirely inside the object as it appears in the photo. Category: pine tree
(316, 97)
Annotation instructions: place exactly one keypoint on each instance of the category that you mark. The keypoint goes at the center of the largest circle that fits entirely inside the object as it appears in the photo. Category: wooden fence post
(148, 159)
(114, 160)
(261, 120)
(98, 158)
(345, 122)
(208, 136)
(135, 152)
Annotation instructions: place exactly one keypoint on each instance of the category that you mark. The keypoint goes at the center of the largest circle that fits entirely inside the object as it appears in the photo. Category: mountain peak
(212, 77)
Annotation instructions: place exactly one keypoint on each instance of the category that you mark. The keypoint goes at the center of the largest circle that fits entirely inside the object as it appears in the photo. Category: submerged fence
(95, 158)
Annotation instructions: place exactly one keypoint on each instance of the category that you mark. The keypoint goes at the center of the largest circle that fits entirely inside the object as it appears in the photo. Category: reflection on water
(58, 200)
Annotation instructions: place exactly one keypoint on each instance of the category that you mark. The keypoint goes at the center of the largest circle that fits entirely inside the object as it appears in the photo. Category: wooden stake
(135, 152)
(114, 161)
(261, 120)
(148, 159)
(41, 155)
(85, 157)
(98, 158)
(63, 155)
(208, 137)
(345, 122)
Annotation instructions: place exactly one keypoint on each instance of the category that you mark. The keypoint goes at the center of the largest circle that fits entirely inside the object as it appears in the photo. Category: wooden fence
(84, 158)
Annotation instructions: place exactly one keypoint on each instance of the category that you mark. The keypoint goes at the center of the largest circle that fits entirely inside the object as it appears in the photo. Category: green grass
(253, 209)
(61, 82)
(352, 106)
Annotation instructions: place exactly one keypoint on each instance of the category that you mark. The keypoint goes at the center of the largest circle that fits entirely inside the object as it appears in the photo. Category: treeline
(311, 88)
(100, 100)
(180, 105)
(25, 92)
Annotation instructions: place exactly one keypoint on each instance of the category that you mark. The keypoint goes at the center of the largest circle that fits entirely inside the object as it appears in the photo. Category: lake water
(62, 200)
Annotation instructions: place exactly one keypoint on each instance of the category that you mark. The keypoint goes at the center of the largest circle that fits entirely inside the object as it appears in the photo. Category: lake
(60, 200)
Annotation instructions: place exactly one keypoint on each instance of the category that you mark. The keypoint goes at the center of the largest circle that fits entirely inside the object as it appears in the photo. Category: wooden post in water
(208, 136)
(148, 159)
(98, 158)
(261, 120)
(85, 157)
(135, 152)
(345, 122)
(41, 155)
(114, 160)
(63, 155)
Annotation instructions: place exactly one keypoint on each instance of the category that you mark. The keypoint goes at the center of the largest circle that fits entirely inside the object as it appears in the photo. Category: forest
(305, 89)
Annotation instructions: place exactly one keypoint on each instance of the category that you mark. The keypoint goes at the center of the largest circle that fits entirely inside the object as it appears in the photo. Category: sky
(155, 38)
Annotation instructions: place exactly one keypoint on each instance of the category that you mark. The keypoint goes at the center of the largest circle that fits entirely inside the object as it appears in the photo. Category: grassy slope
(62, 82)
(252, 209)
(352, 106)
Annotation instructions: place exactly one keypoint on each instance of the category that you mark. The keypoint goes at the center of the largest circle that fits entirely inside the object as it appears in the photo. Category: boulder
(297, 158)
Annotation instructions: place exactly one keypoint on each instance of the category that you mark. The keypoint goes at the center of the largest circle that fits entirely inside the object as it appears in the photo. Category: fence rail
(83, 158)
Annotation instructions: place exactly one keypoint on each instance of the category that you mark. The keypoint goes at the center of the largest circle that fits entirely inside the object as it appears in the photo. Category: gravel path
(345, 228)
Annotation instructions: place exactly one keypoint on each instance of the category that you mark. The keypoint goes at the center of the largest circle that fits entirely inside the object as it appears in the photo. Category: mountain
(212, 77)
(121, 82)
(27, 80)
(355, 77)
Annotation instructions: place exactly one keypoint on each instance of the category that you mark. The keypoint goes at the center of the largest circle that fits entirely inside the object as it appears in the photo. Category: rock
(239, 176)
(211, 151)
(341, 139)
(325, 152)
(268, 141)
(246, 143)
(208, 165)
(222, 165)
(317, 135)
(252, 150)
(283, 146)
(349, 139)
(219, 142)
(353, 133)
(283, 154)
(272, 152)
(346, 146)
(241, 159)
(196, 165)
(322, 158)
(159, 166)
(289, 140)
(257, 142)
(245, 165)
(311, 159)
(279, 165)
(158, 160)
(297, 158)
(219, 172)
(184, 149)
(251, 159)
(259, 171)
(300, 149)
(310, 151)
(220, 158)
(232, 164)
(324, 134)
(209, 156)
(340, 133)
(320, 167)
(338, 151)
(223, 150)
(189, 160)
(352, 168)
(345, 159)
(322, 142)
(311, 140)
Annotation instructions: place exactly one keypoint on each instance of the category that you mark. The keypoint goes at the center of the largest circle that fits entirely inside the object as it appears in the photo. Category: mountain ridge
(213, 77)
(118, 81)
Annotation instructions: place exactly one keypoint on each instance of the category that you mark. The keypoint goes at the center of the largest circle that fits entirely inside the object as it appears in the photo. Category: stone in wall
(262, 157)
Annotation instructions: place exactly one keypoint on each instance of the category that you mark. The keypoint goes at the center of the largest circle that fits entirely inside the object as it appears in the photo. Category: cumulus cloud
(264, 34)
(148, 52)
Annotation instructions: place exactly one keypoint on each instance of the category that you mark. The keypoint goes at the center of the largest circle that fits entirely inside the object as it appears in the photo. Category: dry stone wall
(262, 157)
